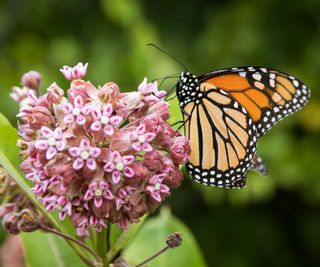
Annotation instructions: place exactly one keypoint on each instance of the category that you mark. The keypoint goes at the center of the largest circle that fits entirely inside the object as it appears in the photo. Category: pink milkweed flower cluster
(98, 155)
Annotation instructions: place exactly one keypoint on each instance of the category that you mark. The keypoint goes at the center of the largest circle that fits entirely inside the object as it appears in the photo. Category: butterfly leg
(176, 123)
(258, 165)
(169, 99)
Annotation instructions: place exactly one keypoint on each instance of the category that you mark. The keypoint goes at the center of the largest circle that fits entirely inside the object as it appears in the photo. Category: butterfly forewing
(222, 137)
(267, 95)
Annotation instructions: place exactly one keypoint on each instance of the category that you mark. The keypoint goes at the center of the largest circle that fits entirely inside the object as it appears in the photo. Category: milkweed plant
(95, 162)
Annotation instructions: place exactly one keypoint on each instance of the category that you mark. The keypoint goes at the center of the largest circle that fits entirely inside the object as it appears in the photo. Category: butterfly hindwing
(222, 137)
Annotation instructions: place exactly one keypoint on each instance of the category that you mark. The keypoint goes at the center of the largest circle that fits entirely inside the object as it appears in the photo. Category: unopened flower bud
(174, 240)
(10, 223)
(27, 223)
(76, 72)
(6, 209)
(55, 93)
(31, 80)
(23, 145)
(119, 262)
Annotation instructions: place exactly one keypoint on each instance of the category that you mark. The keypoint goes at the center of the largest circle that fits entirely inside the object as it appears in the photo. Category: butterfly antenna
(167, 77)
(175, 59)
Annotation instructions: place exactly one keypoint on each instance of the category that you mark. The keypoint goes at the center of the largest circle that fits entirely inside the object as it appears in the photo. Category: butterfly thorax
(188, 89)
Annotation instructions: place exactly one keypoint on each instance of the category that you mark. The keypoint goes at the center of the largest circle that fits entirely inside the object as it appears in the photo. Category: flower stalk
(101, 246)
(70, 238)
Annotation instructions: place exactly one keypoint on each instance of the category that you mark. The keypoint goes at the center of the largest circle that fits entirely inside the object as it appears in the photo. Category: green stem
(101, 246)
(152, 257)
(70, 238)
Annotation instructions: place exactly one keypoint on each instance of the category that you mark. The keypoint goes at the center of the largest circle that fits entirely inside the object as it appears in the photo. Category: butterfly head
(187, 88)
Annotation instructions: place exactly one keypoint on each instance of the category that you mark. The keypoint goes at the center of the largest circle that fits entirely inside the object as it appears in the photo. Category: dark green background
(275, 221)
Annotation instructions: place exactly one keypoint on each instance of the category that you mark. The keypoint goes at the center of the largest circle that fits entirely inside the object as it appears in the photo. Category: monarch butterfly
(226, 112)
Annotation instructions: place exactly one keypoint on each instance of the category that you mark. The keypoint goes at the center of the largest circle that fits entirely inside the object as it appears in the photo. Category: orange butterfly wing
(267, 95)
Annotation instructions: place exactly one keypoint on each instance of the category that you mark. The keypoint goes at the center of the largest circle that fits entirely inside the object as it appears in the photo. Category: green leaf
(119, 238)
(41, 249)
(9, 155)
(175, 113)
(152, 237)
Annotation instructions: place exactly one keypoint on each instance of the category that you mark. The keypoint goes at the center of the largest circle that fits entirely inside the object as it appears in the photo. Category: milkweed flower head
(96, 154)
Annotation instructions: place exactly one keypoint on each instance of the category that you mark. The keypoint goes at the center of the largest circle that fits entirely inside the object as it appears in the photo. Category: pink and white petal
(62, 215)
(86, 110)
(154, 179)
(81, 119)
(146, 147)
(115, 120)
(103, 185)
(94, 152)
(161, 94)
(92, 92)
(142, 85)
(150, 189)
(151, 99)
(136, 146)
(161, 176)
(57, 134)
(30, 176)
(126, 160)
(116, 156)
(96, 126)
(91, 164)
(61, 201)
(107, 194)
(51, 152)
(74, 151)
(98, 202)
(93, 186)
(93, 220)
(68, 208)
(150, 136)
(41, 144)
(127, 206)
(78, 164)
(67, 107)
(141, 129)
(85, 144)
(128, 172)
(61, 145)
(78, 102)
(133, 136)
(156, 196)
(109, 167)
(116, 177)
(164, 188)
(69, 119)
(51, 207)
(108, 130)
(46, 132)
(96, 113)
(122, 193)
(119, 203)
(107, 111)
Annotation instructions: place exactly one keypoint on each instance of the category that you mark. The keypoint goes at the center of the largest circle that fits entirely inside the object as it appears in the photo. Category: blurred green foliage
(275, 220)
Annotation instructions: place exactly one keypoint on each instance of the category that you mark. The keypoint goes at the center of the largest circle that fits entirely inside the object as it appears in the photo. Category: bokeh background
(275, 220)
